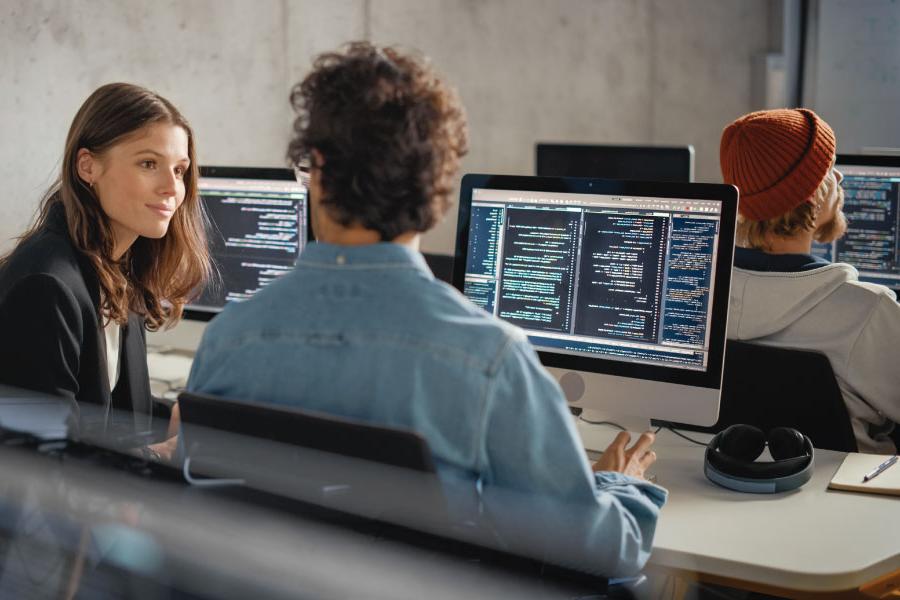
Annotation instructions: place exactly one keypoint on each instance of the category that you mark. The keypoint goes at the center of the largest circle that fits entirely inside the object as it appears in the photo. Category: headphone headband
(758, 477)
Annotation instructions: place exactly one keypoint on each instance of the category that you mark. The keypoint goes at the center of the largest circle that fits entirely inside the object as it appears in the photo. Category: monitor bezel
(711, 377)
(868, 160)
(542, 147)
(261, 173)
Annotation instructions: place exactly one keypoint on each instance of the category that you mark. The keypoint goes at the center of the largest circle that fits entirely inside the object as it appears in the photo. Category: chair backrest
(307, 429)
(358, 468)
(770, 387)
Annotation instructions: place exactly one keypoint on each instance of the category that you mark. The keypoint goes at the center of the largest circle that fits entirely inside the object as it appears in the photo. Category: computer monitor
(258, 225)
(644, 163)
(872, 205)
(621, 286)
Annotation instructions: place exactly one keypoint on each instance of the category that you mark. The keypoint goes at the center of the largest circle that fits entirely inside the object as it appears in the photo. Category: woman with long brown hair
(118, 247)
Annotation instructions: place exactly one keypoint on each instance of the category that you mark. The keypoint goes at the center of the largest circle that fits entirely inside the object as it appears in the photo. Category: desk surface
(811, 539)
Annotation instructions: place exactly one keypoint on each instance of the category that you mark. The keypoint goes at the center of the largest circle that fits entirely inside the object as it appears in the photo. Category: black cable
(610, 423)
(681, 435)
(658, 429)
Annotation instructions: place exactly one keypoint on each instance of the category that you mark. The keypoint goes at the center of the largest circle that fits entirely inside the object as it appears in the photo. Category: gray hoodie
(855, 324)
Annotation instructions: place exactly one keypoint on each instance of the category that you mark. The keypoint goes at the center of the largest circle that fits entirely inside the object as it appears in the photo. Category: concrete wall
(614, 71)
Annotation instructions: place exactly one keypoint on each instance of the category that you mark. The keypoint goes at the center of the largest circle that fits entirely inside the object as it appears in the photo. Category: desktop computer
(644, 163)
(621, 286)
(872, 205)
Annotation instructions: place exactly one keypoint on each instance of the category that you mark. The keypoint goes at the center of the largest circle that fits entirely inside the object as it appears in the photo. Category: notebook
(850, 475)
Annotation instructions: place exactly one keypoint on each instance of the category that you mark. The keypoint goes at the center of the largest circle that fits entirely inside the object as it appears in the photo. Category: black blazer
(51, 338)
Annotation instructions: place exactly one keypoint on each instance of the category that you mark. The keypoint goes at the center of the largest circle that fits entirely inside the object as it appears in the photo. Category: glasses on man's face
(301, 172)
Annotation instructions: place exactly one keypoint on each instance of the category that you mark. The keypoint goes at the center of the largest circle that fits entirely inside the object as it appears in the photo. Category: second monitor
(642, 163)
(258, 225)
(872, 206)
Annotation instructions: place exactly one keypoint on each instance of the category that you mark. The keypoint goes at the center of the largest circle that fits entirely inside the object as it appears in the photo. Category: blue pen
(880, 468)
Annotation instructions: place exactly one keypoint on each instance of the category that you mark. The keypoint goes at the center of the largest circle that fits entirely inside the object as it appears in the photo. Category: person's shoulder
(37, 295)
(246, 319)
(46, 259)
(234, 317)
(874, 292)
(47, 251)
(456, 317)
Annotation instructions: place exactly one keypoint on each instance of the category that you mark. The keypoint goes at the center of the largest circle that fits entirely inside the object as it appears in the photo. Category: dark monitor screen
(872, 206)
(258, 225)
(641, 163)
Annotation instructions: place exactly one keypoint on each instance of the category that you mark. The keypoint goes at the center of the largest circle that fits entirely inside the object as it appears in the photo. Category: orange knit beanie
(777, 159)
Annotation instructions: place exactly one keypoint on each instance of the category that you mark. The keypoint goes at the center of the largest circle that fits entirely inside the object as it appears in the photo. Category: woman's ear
(87, 166)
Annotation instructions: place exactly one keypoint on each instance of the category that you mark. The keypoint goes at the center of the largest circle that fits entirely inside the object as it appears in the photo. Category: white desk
(808, 540)
(169, 357)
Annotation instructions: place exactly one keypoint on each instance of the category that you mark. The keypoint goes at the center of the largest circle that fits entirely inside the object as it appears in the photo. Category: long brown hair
(155, 277)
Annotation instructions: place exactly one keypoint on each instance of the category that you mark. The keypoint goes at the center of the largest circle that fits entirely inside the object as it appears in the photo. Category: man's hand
(629, 461)
(166, 450)
(174, 421)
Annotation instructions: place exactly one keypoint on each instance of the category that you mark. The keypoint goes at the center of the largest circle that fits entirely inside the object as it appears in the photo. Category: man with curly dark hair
(362, 329)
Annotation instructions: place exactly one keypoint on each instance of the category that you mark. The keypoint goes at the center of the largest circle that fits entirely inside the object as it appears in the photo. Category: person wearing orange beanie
(782, 161)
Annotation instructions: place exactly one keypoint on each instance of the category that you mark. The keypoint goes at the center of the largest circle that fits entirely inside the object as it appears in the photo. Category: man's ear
(316, 158)
(87, 166)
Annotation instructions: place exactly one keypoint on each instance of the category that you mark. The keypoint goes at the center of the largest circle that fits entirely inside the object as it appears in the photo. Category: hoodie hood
(764, 303)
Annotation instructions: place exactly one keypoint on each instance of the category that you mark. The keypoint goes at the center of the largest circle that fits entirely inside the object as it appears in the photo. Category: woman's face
(139, 181)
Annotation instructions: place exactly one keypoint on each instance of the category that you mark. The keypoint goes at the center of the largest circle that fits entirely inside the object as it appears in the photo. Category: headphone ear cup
(785, 443)
(742, 442)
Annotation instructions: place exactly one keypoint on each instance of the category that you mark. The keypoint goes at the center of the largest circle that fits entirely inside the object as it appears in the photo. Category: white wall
(614, 71)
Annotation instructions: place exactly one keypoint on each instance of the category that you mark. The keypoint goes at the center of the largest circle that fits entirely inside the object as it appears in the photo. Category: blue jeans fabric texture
(367, 332)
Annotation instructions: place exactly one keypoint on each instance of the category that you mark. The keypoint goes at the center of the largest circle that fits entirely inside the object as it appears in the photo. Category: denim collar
(369, 256)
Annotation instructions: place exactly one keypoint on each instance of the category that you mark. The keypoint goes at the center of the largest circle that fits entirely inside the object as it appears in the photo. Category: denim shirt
(367, 332)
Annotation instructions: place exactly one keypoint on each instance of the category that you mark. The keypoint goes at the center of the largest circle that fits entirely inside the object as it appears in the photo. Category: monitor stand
(597, 429)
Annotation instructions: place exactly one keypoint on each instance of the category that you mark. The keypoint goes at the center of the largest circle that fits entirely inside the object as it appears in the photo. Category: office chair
(770, 387)
(342, 464)
(381, 473)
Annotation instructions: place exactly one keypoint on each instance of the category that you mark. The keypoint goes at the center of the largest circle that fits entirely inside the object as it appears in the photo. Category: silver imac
(622, 287)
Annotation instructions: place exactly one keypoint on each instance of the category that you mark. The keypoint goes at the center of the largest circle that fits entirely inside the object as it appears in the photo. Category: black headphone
(731, 459)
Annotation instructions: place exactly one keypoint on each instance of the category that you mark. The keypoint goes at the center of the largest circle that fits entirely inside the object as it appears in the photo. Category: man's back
(827, 309)
(368, 333)
(361, 329)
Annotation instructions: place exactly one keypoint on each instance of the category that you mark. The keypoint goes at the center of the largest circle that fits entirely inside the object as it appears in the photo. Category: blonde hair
(757, 234)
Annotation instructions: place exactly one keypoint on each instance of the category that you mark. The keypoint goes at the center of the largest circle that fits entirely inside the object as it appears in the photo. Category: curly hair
(757, 234)
(391, 134)
(155, 277)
